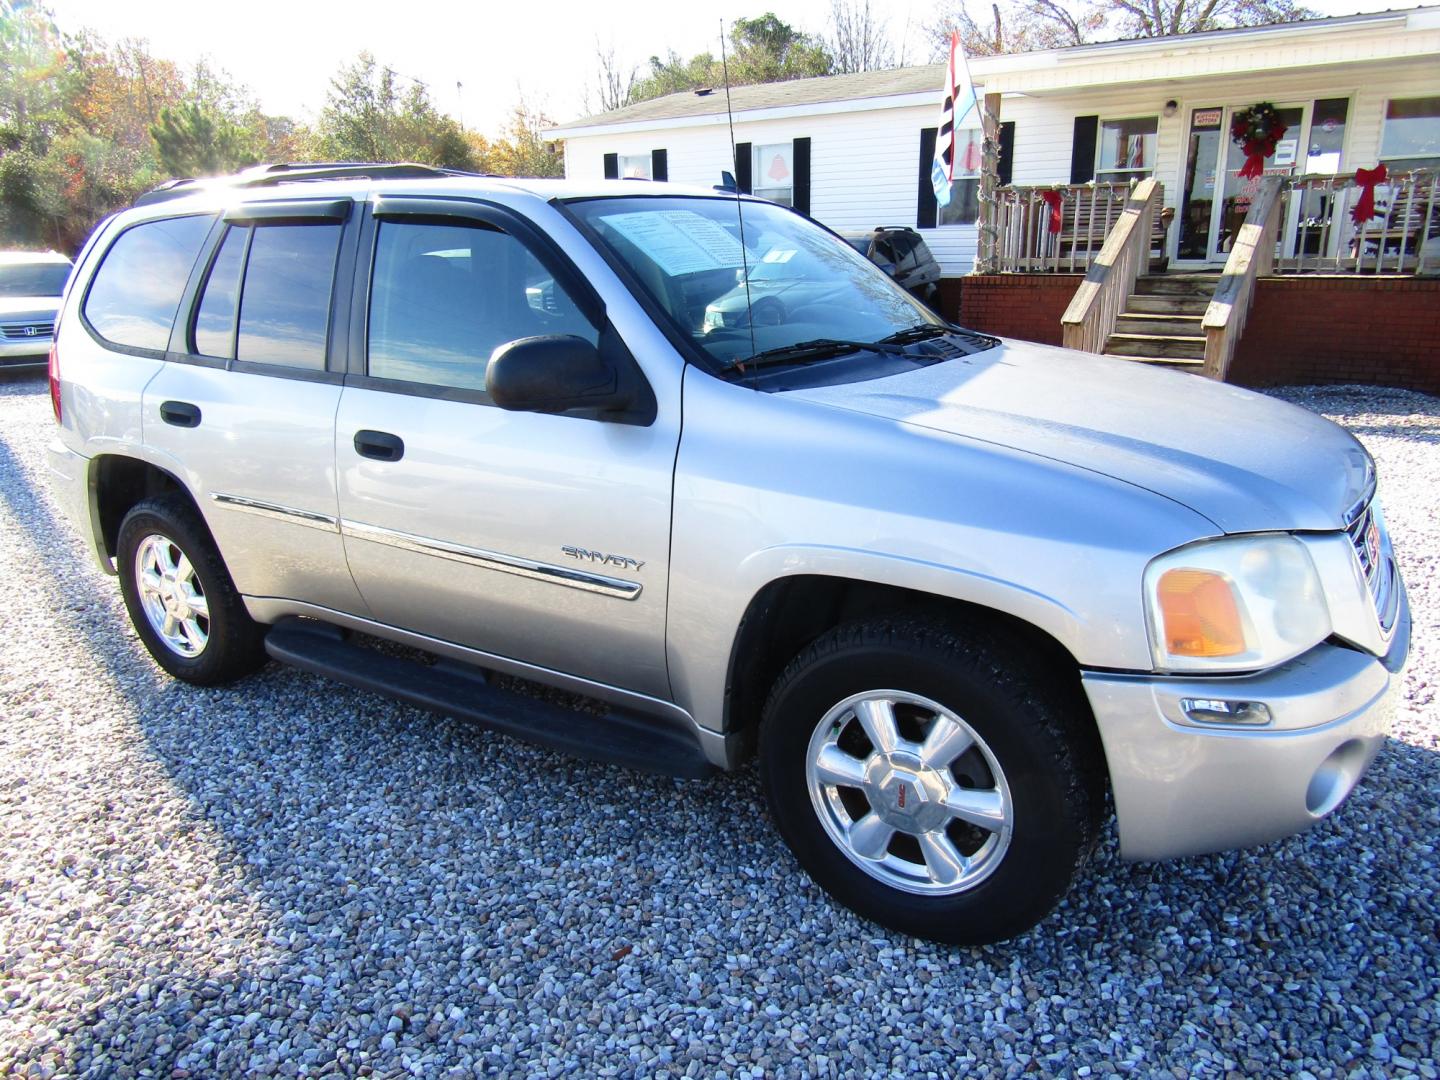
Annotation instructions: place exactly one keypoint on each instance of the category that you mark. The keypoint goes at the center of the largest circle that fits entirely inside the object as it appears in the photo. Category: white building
(854, 150)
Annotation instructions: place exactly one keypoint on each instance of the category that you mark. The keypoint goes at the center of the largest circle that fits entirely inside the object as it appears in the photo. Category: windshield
(33, 279)
(804, 283)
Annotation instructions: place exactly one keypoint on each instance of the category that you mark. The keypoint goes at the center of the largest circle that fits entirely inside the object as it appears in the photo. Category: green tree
(524, 151)
(193, 141)
(368, 118)
(768, 50)
(763, 49)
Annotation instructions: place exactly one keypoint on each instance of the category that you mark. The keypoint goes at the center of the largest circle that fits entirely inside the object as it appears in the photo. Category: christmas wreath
(1256, 130)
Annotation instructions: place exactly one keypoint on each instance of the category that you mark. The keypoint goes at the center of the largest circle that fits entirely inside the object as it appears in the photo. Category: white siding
(865, 165)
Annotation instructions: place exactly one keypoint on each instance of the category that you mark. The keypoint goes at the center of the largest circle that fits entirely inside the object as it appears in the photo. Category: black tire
(1045, 746)
(235, 643)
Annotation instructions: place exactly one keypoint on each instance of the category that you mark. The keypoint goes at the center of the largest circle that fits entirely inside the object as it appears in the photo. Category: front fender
(770, 486)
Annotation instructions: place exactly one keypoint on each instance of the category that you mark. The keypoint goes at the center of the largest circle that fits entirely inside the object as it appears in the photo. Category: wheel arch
(788, 613)
(117, 482)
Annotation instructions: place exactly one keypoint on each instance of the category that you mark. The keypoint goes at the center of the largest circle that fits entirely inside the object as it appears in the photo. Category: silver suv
(951, 591)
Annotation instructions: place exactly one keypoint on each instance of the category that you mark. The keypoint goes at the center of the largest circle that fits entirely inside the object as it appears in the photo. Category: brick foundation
(1025, 306)
(1383, 331)
(1302, 329)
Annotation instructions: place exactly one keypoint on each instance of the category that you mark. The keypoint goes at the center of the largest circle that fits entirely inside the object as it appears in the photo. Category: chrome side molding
(568, 576)
(276, 511)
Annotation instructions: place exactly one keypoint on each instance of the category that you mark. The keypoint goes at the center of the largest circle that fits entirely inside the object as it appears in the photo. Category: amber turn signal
(1200, 615)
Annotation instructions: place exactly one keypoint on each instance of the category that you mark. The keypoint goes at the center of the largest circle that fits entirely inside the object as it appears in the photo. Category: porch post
(986, 256)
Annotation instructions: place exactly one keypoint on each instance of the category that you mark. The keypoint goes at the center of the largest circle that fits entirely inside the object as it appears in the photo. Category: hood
(1245, 461)
(36, 307)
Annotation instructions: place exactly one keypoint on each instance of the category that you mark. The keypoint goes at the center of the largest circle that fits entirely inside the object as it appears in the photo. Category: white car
(31, 284)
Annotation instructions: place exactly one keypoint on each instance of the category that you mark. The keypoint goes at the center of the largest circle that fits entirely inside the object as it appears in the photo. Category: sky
(285, 51)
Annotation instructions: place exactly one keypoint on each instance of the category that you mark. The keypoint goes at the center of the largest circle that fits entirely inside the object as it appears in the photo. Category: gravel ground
(293, 878)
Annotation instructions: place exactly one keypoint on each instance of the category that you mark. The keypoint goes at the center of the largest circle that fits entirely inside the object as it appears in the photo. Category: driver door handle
(379, 445)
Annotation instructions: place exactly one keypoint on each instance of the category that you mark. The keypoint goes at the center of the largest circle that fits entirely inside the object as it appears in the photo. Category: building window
(964, 205)
(1126, 150)
(635, 166)
(1412, 134)
(773, 172)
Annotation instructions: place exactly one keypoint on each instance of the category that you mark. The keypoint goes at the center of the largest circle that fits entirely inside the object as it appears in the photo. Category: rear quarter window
(134, 296)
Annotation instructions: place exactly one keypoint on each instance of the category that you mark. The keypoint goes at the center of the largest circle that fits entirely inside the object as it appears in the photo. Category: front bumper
(24, 352)
(1183, 788)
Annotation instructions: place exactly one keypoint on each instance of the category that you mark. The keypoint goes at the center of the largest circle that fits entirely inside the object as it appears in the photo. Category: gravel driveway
(293, 878)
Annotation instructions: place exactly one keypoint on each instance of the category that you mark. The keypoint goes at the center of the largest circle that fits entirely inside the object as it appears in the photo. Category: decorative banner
(959, 99)
(1054, 201)
(1365, 180)
(1256, 130)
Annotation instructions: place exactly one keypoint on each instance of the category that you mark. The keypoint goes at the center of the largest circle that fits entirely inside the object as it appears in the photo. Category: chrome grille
(27, 331)
(1371, 542)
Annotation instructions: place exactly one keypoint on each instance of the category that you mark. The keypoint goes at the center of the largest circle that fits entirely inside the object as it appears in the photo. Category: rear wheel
(929, 781)
(180, 597)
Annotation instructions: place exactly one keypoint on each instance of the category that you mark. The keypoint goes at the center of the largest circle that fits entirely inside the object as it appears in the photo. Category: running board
(461, 690)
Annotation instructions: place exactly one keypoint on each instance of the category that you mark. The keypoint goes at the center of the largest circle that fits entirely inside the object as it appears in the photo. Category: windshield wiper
(918, 332)
(816, 349)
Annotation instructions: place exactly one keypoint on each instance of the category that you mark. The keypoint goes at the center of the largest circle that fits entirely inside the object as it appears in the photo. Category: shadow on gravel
(492, 895)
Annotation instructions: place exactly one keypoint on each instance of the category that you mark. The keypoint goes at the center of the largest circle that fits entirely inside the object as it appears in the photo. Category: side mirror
(551, 374)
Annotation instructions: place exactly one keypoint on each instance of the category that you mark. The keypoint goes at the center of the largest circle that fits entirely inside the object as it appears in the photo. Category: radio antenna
(739, 202)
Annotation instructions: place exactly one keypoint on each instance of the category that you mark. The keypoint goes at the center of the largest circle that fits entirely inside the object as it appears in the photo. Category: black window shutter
(801, 156)
(659, 165)
(1082, 149)
(742, 167)
(927, 210)
(612, 166)
(1004, 168)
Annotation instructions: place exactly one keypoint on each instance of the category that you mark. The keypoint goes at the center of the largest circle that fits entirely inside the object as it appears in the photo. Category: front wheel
(929, 781)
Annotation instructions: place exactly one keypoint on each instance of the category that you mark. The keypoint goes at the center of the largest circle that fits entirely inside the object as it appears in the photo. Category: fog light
(1217, 711)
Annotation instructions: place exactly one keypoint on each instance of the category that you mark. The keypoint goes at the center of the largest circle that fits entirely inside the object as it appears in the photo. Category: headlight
(1234, 604)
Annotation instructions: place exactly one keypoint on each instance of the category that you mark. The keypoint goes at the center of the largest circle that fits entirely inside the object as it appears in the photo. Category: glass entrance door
(1238, 193)
(1215, 199)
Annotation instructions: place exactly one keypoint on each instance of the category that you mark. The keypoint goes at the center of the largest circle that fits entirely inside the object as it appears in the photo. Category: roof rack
(296, 171)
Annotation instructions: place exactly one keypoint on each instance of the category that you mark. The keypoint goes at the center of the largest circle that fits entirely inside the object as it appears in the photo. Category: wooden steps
(1161, 321)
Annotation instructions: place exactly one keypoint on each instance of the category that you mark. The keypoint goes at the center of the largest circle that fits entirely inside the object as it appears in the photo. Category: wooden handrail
(1252, 255)
(1098, 302)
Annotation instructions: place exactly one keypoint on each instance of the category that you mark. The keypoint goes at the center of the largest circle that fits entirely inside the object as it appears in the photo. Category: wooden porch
(1132, 303)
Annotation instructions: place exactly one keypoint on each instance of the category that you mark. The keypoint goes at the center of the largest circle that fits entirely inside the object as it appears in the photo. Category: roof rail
(296, 171)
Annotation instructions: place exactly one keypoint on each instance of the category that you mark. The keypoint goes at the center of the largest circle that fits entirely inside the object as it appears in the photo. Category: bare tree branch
(859, 40)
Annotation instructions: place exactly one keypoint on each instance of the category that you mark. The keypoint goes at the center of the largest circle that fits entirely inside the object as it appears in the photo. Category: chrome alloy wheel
(909, 792)
(172, 596)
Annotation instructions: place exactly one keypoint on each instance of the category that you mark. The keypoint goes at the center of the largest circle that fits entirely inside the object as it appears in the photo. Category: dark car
(903, 254)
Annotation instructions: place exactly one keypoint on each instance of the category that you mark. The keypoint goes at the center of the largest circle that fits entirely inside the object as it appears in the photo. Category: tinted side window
(215, 319)
(136, 292)
(285, 298)
(444, 297)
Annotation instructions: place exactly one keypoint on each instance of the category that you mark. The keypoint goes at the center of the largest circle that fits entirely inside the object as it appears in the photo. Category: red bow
(1257, 150)
(1365, 180)
(1052, 200)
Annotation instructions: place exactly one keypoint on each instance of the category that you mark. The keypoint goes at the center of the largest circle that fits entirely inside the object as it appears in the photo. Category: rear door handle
(380, 445)
(180, 413)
